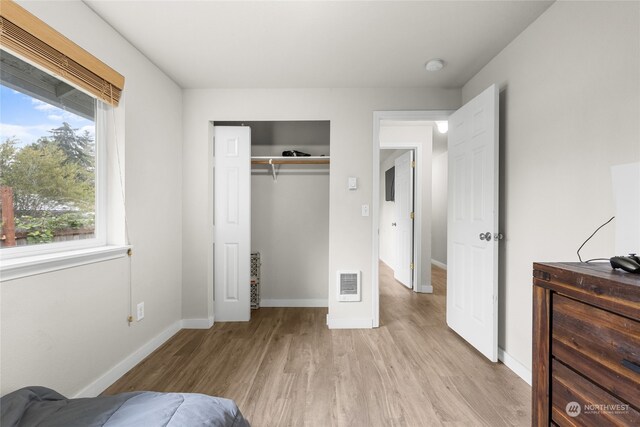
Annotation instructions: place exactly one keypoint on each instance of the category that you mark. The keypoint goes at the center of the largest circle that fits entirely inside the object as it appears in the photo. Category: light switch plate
(353, 183)
(365, 210)
(140, 311)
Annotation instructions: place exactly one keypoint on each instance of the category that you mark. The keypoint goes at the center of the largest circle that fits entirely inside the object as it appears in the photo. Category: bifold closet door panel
(232, 218)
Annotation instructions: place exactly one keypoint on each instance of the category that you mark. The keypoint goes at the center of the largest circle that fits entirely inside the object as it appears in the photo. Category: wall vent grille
(349, 286)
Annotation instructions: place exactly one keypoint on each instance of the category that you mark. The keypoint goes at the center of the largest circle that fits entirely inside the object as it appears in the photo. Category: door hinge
(413, 164)
(411, 266)
(412, 215)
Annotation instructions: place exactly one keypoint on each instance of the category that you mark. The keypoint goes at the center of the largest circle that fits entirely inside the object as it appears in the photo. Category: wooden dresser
(586, 345)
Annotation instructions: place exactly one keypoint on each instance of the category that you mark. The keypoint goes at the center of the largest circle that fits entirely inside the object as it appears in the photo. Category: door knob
(485, 236)
(393, 224)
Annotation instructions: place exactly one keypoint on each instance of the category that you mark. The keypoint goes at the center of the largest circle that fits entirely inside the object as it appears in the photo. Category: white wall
(440, 141)
(351, 114)
(439, 209)
(66, 329)
(387, 212)
(570, 103)
(290, 229)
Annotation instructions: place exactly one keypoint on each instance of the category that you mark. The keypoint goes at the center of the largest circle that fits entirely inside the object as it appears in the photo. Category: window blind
(25, 35)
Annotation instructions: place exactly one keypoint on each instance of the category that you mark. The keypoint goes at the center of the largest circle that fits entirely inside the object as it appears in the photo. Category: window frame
(26, 261)
(34, 41)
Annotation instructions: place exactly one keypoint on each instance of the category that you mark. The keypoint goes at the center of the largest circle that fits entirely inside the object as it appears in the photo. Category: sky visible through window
(28, 119)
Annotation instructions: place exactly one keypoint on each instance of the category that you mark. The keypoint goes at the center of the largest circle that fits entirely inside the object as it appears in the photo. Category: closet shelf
(274, 161)
(280, 160)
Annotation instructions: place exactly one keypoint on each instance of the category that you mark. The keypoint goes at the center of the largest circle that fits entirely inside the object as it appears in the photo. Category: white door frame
(378, 116)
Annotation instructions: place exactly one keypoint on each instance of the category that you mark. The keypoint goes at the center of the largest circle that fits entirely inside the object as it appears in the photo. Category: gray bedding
(40, 406)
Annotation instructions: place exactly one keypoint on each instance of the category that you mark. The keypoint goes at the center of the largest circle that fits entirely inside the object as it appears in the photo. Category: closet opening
(287, 245)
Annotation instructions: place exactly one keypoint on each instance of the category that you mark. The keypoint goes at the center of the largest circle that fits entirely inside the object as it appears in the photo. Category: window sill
(17, 268)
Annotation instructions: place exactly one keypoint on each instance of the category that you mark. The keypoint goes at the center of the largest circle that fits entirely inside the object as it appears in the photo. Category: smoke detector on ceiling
(434, 65)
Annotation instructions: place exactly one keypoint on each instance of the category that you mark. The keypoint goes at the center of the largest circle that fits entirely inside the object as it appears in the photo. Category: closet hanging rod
(277, 160)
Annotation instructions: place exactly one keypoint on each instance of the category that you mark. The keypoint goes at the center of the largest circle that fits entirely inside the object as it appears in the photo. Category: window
(54, 98)
(51, 159)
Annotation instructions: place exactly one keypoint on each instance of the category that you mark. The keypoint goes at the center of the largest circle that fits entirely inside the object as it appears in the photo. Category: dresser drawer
(603, 346)
(595, 407)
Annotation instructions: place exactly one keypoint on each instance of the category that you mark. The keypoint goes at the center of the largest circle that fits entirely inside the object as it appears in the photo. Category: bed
(41, 406)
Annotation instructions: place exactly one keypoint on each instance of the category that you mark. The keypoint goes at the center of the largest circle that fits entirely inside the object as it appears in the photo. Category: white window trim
(38, 264)
(25, 261)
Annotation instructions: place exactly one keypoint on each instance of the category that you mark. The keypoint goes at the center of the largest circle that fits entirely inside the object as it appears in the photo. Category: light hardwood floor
(285, 368)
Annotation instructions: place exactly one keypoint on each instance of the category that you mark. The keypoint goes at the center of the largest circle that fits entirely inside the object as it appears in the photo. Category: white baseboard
(294, 303)
(439, 264)
(113, 374)
(426, 289)
(197, 323)
(350, 323)
(517, 367)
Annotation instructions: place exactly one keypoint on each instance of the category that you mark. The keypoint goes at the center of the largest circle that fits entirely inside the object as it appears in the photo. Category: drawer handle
(631, 365)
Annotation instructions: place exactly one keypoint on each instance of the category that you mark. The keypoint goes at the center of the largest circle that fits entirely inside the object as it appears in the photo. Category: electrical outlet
(140, 311)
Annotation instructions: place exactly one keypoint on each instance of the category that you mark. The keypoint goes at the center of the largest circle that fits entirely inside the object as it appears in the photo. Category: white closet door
(232, 223)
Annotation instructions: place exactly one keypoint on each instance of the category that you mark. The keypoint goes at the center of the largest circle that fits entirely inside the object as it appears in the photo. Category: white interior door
(232, 203)
(472, 249)
(403, 272)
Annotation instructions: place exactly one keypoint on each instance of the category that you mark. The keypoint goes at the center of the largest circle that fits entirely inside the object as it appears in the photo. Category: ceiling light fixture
(434, 65)
(443, 126)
